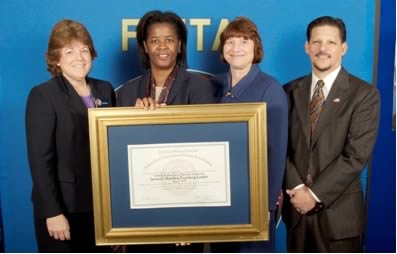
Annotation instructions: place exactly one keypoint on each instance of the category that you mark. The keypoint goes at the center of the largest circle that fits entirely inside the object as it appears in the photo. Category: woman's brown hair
(242, 27)
(62, 34)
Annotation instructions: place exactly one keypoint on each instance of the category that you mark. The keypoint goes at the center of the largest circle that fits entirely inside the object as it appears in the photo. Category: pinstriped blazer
(338, 151)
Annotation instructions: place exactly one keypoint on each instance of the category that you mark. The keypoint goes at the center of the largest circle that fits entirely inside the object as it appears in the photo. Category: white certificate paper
(179, 175)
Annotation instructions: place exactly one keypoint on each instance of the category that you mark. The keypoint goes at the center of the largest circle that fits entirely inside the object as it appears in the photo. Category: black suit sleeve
(203, 91)
(40, 133)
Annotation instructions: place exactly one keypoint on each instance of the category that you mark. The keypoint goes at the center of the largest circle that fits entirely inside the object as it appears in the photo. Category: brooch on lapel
(101, 103)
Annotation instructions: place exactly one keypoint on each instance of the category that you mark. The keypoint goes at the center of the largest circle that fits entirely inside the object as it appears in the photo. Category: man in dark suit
(333, 124)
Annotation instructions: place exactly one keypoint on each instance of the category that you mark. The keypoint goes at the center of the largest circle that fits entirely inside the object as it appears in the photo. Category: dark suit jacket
(339, 150)
(58, 146)
(187, 88)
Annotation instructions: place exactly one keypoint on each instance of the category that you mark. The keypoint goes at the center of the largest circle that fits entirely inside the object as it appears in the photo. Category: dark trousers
(249, 247)
(81, 231)
(311, 235)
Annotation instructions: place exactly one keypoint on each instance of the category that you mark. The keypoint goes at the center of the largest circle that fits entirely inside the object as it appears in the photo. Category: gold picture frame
(111, 129)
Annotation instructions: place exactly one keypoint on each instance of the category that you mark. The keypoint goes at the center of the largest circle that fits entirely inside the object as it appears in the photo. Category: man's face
(325, 49)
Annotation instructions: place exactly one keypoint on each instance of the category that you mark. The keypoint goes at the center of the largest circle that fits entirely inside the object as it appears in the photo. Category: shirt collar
(245, 82)
(328, 81)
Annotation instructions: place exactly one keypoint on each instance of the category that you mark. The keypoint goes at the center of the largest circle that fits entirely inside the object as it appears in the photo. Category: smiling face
(239, 52)
(75, 61)
(325, 49)
(162, 46)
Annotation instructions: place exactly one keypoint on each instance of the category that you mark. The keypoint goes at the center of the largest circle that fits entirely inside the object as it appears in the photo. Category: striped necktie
(316, 105)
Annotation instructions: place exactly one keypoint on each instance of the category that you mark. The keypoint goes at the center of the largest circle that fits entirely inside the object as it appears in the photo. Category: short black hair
(330, 21)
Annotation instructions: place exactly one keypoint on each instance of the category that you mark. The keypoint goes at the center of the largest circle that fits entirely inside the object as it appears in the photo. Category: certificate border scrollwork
(254, 114)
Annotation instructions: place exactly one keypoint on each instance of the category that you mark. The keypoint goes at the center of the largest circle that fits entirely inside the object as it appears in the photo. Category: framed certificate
(191, 173)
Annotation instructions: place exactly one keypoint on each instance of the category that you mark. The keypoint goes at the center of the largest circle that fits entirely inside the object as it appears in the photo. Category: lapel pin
(336, 100)
(98, 102)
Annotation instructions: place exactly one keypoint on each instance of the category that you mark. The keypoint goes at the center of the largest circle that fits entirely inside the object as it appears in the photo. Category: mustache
(321, 53)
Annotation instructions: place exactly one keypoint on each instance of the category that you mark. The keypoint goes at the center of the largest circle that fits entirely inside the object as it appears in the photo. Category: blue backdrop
(25, 27)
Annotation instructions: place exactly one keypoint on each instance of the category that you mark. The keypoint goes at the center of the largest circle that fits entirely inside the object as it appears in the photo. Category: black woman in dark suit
(162, 40)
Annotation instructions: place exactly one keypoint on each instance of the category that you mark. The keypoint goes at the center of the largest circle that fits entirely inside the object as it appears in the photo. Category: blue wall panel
(381, 229)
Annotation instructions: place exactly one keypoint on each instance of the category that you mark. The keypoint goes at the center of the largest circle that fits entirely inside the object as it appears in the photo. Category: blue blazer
(58, 146)
(258, 86)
